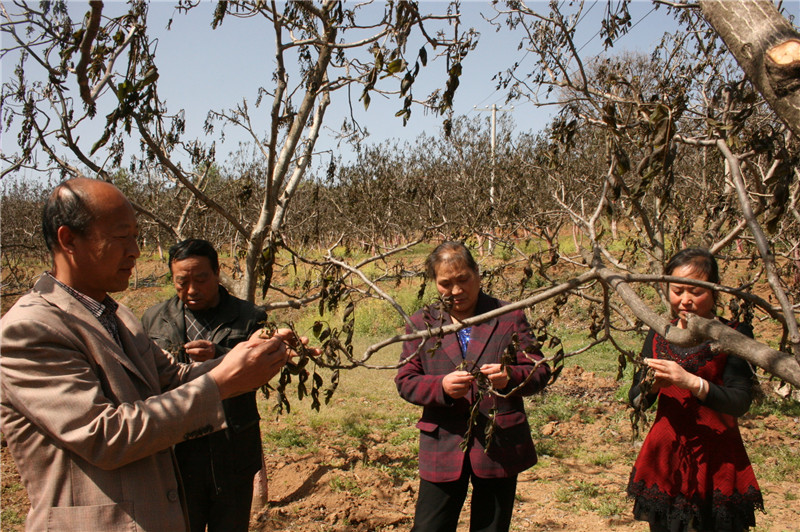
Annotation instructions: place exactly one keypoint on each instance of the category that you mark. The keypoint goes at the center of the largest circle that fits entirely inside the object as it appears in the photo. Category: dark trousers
(227, 511)
(222, 506)
(439, 503)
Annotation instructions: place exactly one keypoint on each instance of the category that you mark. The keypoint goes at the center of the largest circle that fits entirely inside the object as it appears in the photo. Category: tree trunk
(766, 46)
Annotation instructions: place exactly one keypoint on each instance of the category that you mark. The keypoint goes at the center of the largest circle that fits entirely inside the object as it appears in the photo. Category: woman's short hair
(450, 252)
(701, 261)
(194, 247)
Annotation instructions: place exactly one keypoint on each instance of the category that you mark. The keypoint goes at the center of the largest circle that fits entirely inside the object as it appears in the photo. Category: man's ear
(66, 239)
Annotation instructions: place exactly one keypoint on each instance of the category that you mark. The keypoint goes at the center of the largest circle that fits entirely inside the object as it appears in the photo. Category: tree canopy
(692, 143)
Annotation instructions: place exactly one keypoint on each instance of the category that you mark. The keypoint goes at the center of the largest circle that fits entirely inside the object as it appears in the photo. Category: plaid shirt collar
(105, 311)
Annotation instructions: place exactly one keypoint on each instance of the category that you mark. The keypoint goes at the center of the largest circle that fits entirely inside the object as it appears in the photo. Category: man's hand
(200, 350)
(457, 383)
(292, 342)
(250, 364)
(496, 374)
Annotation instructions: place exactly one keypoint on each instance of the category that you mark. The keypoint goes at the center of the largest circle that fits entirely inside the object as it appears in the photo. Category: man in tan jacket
(89, 405)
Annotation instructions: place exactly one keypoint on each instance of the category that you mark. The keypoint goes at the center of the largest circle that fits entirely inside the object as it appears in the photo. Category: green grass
(585, 495)
(12, 487)
(602, 359)
(11, 517)
(365, 407)
(550, 447)
(581, 490)
(355, 426)
(400, 470)
(766, 406)
(287, 437)
(547, 407)
(775, 462)
(602, 459)
(609, 505)
(342, 484)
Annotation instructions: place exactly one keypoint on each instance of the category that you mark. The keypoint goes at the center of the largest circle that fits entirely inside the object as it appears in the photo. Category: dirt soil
(339, 490)
(302, 495)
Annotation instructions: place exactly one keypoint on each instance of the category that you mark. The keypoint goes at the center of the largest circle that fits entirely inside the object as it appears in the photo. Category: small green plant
(353, 425)
(11, 517)
(586, 489)
(549, 407)
(621, 395)
(549, 447)
(563, 495)
(376, 318)
(287, 437)
(603, 459)
(534, 282)
(342, 484)
(405, 436)
(400, 469)
(609, 506)
(775, 462)
(592, 498)
(504, 252)
(766, 406)
(166, 292)
(399, 423)
(12, 487)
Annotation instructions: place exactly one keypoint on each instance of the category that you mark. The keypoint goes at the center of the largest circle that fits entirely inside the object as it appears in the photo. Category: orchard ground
(352, 465)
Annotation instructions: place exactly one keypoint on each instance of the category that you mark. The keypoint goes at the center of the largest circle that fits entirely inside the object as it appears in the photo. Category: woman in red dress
(693, 473)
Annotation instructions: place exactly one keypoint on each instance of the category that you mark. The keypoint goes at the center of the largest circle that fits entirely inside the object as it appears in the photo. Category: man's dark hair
(450, 251)
(66, 207)
(194, 247)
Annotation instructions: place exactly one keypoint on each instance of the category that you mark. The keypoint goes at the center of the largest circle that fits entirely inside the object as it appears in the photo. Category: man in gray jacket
(201, 322)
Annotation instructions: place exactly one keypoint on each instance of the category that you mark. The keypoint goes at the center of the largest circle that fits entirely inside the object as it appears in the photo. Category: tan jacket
(90, 425)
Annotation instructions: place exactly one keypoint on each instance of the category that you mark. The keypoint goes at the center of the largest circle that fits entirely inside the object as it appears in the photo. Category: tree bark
(766, 46)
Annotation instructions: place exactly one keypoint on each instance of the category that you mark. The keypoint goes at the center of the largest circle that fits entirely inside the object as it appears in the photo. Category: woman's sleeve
(635, 396)
(735, 394)
(413, 384)
(527, 357)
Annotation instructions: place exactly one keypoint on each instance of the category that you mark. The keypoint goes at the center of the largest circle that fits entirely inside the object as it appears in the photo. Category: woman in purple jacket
(444, 379)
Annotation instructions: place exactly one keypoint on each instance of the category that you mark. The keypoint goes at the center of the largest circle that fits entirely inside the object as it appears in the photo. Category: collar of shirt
(464, 335)
(104, 311)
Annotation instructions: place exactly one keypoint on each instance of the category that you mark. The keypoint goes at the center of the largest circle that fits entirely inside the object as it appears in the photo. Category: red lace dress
(693, 469)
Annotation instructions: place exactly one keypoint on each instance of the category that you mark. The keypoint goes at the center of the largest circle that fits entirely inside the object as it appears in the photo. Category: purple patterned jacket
(445, 420)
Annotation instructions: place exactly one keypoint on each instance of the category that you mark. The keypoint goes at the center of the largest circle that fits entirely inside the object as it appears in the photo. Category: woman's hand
(457, 383)
(496, 374)
(668, 372)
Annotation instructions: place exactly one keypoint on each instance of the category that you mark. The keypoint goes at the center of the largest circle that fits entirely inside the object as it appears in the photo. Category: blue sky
(202, 69)
(186, 77)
